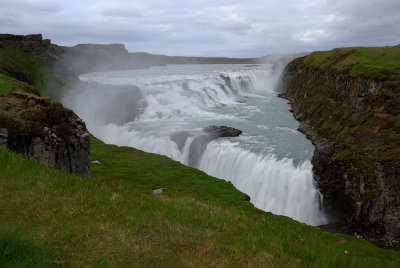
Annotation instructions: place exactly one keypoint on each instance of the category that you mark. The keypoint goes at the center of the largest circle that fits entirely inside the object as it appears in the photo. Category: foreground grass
(48, 218)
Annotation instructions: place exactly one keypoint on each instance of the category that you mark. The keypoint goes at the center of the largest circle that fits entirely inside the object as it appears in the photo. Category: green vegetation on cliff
(382, 108)
(344, 111)
(113, 219)
(8, 85)
(25, 67)
(369, 62)
(348, 100)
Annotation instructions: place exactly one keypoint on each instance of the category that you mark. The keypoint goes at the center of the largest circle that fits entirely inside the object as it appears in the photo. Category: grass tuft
(14, 252)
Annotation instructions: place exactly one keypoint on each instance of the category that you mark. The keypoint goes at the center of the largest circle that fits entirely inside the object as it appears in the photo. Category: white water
(269, 161)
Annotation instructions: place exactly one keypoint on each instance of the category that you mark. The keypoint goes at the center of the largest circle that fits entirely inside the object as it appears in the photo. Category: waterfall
(173, 104)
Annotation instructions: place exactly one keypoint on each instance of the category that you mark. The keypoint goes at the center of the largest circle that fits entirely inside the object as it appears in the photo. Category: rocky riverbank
(348, 102)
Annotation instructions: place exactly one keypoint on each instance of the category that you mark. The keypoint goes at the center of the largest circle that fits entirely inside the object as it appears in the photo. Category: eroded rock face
(350, 121)
(32, 44)
(46, 131)
(70, 154)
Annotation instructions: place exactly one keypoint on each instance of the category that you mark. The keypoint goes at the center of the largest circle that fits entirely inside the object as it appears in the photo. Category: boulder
(222, 131)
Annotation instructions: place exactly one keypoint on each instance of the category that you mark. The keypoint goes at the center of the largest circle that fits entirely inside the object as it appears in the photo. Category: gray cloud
(32, 6)
(208, 28)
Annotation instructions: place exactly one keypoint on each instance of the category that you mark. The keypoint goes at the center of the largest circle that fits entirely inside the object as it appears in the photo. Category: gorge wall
(348, 102)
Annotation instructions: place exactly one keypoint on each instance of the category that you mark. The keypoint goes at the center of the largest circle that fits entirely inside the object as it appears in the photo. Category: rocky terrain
(348, 102)
(38, 127)
(44, 130)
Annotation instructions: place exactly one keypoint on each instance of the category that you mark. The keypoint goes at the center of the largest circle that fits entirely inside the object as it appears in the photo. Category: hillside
(113, 218)
(349, 103)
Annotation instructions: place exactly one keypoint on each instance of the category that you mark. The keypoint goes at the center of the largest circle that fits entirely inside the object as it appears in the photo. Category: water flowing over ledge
(171, 106)
(278, 186)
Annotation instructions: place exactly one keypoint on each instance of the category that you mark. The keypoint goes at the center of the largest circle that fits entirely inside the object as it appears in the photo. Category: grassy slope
(25, 67)
(381, 109)
(113, 220)
(8, 85)
(370, 62)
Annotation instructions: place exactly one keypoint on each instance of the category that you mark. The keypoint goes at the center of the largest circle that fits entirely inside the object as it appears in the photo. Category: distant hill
(100, 57)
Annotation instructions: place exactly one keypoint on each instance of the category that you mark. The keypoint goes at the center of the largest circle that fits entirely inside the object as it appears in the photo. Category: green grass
(26, 68)
(15, 252)
(113, 220)
(50, 218)
(8, 85)
(331, 109)
(369, 62)
(146, 171)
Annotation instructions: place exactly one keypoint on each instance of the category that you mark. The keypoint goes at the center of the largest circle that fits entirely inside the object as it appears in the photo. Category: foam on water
(269, 162)
(278, 186)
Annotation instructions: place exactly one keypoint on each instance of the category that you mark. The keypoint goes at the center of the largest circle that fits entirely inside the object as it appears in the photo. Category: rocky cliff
(44, 130)
(348, 102)
(35, 126)
(35, 61)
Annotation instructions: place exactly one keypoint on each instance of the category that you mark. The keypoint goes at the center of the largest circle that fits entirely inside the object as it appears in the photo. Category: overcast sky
(208, 27)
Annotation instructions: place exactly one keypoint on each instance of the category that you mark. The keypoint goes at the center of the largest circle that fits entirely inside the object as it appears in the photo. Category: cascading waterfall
(171, 106)
(274, 185)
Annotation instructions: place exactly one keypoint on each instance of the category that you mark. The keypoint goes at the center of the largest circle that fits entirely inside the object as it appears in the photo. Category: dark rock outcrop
(221, 131)
(353, 122)
(37, 62)
(33, 44)
(44, 130)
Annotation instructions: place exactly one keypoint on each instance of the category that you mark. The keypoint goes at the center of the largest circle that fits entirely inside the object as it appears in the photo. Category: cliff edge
(348, 102)
(35, 126)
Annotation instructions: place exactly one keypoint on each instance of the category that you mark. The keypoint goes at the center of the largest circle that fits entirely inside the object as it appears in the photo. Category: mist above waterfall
(165, 109)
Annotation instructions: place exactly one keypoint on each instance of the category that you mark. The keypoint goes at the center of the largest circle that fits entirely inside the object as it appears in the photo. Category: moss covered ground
(369, 62)
(50, 218)
(332, 111)
(113, 219)
(25, 68)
